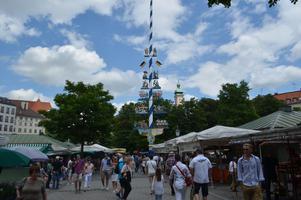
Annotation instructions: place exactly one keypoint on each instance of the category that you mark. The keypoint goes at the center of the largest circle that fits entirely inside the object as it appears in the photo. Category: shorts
(77, 177)
(106, 173)
(151, 174)
(198, 186)
(115, 177)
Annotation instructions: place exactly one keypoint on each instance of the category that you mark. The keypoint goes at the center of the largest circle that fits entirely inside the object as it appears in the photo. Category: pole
(150, 79)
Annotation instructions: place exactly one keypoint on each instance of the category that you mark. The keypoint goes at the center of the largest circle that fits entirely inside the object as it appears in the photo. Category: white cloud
(208, 79)
(187, 97)
(52, 66)
(15, 14)
(168, 16)
(11, 28)
(254, 52)
(295, 52)
(29, 95)
(75, 39)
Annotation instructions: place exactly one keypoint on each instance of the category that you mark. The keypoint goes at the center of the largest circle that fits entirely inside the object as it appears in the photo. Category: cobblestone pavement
(140, 190)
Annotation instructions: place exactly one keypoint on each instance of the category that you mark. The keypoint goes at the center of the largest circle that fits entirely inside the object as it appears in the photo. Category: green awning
(45, 148)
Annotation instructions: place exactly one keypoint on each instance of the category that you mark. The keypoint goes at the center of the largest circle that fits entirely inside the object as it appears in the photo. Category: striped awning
(45, 148)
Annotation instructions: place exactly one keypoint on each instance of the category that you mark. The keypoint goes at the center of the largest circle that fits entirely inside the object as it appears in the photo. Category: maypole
(150, 91)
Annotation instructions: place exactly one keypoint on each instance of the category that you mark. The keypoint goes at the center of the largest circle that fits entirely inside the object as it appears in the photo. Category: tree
(125, 135)
(210, 110)
(84, 114)
(227, 3)
(187, 117)
(234, 106)
(266, 104)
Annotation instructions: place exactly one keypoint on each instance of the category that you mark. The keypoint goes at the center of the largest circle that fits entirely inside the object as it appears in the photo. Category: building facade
(27, 120)
(179, 95)
(292, 99)
(7, 116)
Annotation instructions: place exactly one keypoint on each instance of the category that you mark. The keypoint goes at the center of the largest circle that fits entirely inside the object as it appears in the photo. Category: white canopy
(94, 148)
(219, 132)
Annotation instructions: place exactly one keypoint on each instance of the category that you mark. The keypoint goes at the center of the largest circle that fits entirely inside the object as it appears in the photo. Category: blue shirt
(249, 171)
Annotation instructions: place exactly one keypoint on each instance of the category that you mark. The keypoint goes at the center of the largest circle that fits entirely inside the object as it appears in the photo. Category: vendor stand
(285, 144)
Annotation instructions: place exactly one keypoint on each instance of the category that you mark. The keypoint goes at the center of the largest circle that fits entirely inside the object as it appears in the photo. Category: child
(157, 185)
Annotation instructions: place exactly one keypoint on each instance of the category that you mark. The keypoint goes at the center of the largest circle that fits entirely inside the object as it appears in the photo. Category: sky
(43, 43)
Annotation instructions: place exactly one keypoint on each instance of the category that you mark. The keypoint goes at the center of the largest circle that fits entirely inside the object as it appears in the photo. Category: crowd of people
(119, 169)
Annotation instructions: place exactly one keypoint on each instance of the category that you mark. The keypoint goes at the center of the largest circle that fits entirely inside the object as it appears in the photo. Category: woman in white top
(178, 172)
(89, 167)
(157, 185)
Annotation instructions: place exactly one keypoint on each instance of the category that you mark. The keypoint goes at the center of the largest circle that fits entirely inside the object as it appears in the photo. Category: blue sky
(43, 43)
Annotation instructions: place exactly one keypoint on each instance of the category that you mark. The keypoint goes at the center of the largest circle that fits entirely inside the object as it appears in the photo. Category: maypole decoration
(150, 91)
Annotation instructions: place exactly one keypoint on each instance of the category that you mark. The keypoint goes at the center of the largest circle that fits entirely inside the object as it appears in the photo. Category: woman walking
(178, 173)
(125, 181)
(157, 185)
(32, 187)
(89, 168)
(114, 176)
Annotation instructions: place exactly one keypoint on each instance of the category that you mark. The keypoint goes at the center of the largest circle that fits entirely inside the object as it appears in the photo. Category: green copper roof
(276, 120)
(38, 139)
(178, 90)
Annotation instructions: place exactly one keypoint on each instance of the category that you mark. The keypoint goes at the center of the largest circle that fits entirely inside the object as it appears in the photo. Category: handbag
(188, 179)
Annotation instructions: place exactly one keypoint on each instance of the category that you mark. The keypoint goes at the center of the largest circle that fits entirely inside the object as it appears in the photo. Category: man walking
(249, 173)
(200, 169)
(106, 171)
(78, 173)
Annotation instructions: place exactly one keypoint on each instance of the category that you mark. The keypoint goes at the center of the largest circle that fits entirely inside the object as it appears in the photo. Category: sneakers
(107, 188)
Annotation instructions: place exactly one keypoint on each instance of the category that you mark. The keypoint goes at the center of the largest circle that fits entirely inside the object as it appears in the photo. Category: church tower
(179, 95)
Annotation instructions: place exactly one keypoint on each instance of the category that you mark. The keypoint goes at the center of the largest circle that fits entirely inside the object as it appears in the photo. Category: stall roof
(220, 132)
(93, 148)
(30, 139)
(213, 133)
(277, 120)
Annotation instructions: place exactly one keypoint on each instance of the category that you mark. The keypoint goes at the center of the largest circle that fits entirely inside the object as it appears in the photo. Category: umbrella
(11, 158)
(33, 154)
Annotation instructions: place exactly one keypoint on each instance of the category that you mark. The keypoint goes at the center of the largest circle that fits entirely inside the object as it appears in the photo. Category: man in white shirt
(200, 168)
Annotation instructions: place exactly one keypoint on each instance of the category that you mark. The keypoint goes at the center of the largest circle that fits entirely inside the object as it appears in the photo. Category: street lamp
(177, 132)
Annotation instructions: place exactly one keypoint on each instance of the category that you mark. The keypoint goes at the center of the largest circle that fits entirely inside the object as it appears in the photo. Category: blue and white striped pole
(150, 79)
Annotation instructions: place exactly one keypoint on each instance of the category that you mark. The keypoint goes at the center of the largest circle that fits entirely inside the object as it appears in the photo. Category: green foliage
(210, 110)
(227, 3)
(125, 135)
(266, 104)
(84, 114)
(234, 106)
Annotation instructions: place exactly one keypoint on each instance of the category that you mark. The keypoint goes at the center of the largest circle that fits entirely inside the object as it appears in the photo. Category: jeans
(180, 193)
(88, 180)
(158, 196)
(55, 180)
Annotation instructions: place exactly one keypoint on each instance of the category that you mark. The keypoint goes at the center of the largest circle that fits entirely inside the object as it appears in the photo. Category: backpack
(116, 169)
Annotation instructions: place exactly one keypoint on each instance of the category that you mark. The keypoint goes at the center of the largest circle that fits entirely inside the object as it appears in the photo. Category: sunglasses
(245, 149)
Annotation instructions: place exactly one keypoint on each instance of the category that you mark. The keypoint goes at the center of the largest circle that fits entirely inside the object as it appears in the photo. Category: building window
(6, 118)
(13, 111)
(19, 130)
(35, 130)
(20, 123)
(288, 100)
(2, 109)
(7, 110)
(25, 130)
(21, 118)
(10, 128)
(0, 127)
(25, 124)
(1, 118)
(5, 128)
(30, 124)
(11, 120)
(29, 130)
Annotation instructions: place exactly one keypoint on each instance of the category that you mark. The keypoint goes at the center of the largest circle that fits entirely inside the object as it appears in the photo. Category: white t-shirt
(201, 165)
(151, 166)
(232, 166)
